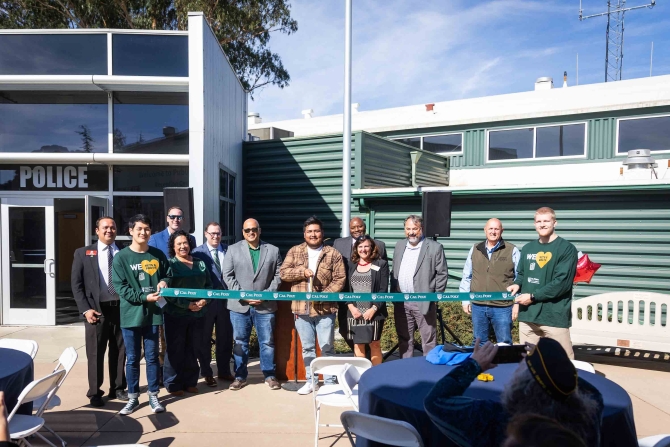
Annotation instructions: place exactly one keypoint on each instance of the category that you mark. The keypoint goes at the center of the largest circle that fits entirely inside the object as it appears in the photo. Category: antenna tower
(616, 10)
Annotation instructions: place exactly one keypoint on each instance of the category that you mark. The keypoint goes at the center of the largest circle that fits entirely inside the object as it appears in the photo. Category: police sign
(54, 178)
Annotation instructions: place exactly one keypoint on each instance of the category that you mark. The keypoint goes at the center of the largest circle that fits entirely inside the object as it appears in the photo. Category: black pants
(218, 316)
(98, 336)
(183, 336)
(342, 323)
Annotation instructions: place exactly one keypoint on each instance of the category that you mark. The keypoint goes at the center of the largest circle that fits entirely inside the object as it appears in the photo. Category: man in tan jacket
(314, 267)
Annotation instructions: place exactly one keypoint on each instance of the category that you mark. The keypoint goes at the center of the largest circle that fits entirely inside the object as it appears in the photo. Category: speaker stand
(294, 385)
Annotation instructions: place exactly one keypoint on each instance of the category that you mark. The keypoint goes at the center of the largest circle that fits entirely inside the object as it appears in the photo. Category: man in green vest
(546, 273)
(491, 266)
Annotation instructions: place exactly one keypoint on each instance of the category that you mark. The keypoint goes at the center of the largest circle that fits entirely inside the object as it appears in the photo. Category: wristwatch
(532, 298)
(374, 307)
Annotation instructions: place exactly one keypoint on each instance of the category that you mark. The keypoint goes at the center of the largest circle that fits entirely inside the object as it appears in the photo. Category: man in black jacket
(98, 302)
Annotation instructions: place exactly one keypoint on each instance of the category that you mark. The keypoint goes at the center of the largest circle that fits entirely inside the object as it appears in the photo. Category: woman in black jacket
(365, 319)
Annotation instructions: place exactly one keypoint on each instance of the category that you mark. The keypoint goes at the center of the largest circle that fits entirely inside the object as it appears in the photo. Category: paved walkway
(254, 416)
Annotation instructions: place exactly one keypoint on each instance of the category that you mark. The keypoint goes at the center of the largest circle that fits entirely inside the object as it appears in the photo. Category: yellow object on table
(485, 377)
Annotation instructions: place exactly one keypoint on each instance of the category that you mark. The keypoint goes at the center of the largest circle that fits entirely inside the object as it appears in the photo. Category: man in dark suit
(213, 252)
(175, 219)
(98, 302)
(343, 245)
(418, 266)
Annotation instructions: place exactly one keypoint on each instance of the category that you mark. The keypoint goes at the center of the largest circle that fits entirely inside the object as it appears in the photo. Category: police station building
(97, 122)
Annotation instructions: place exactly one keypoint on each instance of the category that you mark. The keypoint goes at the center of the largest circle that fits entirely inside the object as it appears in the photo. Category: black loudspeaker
(436, 211)
(183, 198)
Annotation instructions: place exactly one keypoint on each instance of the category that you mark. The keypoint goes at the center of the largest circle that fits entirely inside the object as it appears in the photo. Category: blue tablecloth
(396, 390)
(16, 372)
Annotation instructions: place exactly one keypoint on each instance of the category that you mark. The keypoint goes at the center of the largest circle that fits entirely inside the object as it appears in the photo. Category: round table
(397, 389)
(16, 372)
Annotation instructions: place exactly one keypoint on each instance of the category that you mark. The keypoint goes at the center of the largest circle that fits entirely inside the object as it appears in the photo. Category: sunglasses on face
(250, 230)
(173, 217)
(365, 237)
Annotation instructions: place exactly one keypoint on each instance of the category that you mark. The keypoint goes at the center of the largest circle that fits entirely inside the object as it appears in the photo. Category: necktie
(215, 257)
(110, 259)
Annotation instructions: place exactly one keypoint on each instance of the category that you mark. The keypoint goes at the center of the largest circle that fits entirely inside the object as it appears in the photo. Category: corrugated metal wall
(628, 233)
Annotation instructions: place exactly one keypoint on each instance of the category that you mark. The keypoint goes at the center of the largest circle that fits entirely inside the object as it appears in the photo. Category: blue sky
(412, 52)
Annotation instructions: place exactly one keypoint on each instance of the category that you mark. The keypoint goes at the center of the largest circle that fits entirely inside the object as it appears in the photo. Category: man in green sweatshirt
(138, 273)
(546, 273)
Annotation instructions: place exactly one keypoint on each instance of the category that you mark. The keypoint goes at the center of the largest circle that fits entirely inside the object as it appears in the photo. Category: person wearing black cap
(545, 383)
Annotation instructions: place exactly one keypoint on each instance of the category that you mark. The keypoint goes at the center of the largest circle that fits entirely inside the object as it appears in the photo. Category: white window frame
(443, 154)
(616, 139)
(535, 158)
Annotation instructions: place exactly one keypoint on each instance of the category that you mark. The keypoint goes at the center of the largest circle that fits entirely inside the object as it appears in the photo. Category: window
(560, 141)
(644, 133)
(53, 122)
(151, 123)
(444, 144)
(149, 178)
(53, 54)
(227, 205)
(416, 141)
(126, 207)
(511, 144)
(149, 55)
(565, 140)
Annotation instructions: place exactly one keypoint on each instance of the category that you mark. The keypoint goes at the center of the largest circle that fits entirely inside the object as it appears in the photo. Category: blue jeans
(132, 338)
(264, 324)
(499, 317)
(183, 341)
(310, 329)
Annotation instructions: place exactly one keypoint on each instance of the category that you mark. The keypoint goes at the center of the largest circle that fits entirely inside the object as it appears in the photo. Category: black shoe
(119, 395)
(96, 401)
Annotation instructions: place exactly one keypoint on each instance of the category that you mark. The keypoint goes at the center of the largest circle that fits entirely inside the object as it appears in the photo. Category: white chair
(332, 366)
(30, 347)
(344, 394)
(22, 426)
(379, 429)
(654, 441)
(584, 366)
(66, 360)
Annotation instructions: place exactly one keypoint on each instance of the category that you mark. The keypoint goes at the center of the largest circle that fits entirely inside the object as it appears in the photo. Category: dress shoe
(229, 377)
(96, 401)
(118, 395)
(192, 389)
(273, 383)
(210, 381)
(179, 393)
(237, 385)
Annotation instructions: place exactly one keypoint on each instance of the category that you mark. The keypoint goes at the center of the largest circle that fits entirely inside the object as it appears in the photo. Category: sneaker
(133, 403)
(156, 406)
(306, 388)
(237, 385)
(273, 383)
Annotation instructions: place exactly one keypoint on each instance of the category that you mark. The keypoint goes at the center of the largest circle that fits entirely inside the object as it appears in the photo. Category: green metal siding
(628, 233)
(602, 138)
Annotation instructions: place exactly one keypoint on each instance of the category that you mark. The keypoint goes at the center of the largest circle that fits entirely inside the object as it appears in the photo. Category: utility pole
(346, 134)
(616, 9)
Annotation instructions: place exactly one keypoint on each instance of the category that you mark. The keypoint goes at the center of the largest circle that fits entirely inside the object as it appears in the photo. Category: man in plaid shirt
(314, 267)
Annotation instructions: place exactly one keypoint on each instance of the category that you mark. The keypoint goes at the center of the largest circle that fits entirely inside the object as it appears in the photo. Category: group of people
(117, 292)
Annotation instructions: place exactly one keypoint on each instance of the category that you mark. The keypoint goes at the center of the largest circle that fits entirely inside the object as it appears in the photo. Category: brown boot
(210, 381)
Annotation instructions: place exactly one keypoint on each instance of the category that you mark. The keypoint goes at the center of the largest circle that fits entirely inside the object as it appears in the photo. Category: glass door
(28, 266)
(96, 207)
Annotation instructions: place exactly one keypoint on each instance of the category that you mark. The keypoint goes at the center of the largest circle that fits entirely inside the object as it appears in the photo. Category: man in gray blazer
(252, 264)
(418, 266)
(344, 245)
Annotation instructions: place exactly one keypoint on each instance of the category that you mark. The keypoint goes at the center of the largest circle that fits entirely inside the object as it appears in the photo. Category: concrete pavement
(254, 416)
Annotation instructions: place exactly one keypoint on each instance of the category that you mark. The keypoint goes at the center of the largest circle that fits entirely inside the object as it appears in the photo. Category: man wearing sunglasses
(175, 219)
(213, 252)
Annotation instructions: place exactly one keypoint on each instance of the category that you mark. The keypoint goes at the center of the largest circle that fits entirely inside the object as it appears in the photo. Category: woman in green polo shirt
(183, 326)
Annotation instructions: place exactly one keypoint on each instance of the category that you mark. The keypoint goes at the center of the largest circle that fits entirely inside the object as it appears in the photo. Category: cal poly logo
(439, 296)
(176, 292)
(472, 296)
(242, 294)
(406, 296)
(341, 296)
(308, 296)
(374, 296)
(209, 293)
(275, 295)
(504, 295)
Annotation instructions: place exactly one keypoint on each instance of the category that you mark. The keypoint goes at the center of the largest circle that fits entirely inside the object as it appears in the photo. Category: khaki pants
(531, 333)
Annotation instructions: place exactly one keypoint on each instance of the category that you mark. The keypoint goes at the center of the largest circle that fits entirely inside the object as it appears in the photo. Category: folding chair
(344, 394)
(30, 347)
(22, 426)
(332, 366)
(66, 360)
(584, 366)
(379, 429)
(655, 441)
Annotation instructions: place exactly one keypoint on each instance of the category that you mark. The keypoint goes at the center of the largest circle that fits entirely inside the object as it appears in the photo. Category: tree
(243, 27)
(119, 138)
(86, 138)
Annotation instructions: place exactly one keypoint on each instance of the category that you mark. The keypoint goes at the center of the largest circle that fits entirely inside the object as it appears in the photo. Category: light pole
(346, 133)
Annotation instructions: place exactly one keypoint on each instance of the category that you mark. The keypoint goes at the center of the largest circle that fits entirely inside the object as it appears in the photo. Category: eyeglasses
(173, 217)
(251, 230)
(213, 234)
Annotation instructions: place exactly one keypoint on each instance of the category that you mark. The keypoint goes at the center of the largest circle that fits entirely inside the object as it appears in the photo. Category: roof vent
(254, 118)
(429, 107)
(545, 83)
(307, 113)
